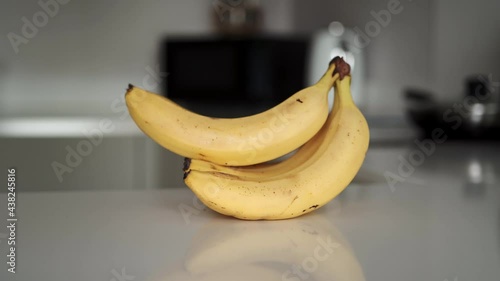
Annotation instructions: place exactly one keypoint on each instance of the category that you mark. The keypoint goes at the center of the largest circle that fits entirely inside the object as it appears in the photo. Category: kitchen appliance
(238, 75)
(475, 116)
(338, 41)
(230, 76)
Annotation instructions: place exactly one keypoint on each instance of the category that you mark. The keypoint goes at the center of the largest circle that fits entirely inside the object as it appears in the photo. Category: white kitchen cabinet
(123, 159)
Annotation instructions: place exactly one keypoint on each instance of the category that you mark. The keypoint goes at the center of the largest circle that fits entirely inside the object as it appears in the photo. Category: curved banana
(235, 141)
(270, 170)
(312, 184)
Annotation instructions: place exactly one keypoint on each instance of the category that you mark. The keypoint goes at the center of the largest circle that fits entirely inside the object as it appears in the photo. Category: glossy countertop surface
(436, 218)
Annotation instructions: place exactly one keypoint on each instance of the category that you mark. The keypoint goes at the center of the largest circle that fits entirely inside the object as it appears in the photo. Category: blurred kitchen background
(65, 65)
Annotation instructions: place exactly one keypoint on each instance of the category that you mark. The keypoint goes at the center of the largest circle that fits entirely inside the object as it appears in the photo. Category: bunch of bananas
(229, 161)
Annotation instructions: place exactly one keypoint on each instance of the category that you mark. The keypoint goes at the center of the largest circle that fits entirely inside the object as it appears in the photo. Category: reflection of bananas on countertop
(307, 248)
(233, 141)
(242, 272)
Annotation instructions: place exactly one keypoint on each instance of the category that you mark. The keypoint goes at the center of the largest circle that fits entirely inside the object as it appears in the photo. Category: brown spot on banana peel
(222, 175)
(299, 100)
(341, 67)
(314, 207)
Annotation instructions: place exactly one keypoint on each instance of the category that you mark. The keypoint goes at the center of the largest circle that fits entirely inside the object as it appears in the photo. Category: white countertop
(441, 223)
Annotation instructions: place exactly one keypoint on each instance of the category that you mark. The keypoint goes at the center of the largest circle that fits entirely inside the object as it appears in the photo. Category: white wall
(278, 15)
(433, 45)
(88, 52)
(465, 41)
(395, 58)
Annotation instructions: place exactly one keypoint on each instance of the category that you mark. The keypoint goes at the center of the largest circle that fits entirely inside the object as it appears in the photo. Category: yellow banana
(235, 141)
(276, 169)
(313, 183)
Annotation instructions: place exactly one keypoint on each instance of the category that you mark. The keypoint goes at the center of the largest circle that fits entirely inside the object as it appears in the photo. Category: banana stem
(329, 77)
(337, 69)
(343, 91)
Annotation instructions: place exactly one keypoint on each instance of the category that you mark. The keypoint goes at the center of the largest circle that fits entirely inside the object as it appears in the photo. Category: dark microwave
(235, 71)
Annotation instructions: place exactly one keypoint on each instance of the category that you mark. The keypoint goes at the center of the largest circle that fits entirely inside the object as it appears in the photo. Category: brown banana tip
(187, 163)
(129, 88)
(341, 67)
(186, 174)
